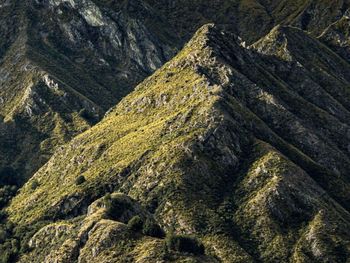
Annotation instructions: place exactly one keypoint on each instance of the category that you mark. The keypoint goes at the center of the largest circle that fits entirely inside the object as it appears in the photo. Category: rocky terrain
(236, 150)
(66, 64)
(337, 36)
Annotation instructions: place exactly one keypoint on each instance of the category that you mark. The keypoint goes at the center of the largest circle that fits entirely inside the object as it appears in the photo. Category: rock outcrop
(337, 36)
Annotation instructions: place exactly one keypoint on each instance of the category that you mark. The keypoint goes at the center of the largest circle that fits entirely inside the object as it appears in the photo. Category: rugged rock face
(77, 58)
(241, 142)
(251, 19)
(247, 148)
(64, 63)
(337, 36)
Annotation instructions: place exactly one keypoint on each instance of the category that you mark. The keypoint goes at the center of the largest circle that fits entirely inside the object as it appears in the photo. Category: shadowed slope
(251, 19)
(337, 36)
(63, 66)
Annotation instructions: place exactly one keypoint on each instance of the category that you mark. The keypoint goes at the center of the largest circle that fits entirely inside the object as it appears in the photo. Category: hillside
(115, 146)
(251, 19)
(337, 36)
(224, 143)
(59, 76)
(65, 63)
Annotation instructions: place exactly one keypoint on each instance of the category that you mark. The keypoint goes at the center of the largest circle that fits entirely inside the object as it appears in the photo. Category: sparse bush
(3, 235)
(116, 206)
(80, 180)
(135, 224)
(6, 193)
(151, 228)
(186, 244)
(34, 185)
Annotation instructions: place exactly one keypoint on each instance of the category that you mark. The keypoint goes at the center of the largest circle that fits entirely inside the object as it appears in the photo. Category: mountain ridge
(235, 150)
(107, 47)
(83, 82)
(217, 150)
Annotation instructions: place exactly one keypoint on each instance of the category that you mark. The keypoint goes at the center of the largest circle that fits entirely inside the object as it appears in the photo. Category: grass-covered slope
(39, 112)
(96, 51)
(245, 148)
(62, 66)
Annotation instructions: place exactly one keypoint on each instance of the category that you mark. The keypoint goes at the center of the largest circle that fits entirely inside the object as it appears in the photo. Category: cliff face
(225, 143)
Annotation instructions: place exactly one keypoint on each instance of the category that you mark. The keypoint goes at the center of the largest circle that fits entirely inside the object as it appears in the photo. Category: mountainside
(66, 63)
(337, 36)
(235, 150)
(251, 19)
(224, 142)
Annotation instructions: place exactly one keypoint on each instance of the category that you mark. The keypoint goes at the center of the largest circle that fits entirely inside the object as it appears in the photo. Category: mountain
(251, 19)
(337, 36)
(64, 65)
(245, 148)
(235, 150)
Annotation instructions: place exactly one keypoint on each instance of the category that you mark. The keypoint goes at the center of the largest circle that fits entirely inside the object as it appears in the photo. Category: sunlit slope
(246, 148)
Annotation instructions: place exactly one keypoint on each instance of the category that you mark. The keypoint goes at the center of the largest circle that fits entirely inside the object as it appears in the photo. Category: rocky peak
(223, 142)
(275, 43)
(243, 148)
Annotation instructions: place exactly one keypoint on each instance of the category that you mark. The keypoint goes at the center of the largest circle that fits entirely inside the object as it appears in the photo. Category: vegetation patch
(135, 224)
(186, 244)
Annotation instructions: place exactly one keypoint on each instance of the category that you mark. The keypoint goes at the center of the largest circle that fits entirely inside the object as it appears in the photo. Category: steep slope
(64, 65)
(39, 112)
(245, 148)
(95, 52)
(10, 17)
(337, 36)
(251, 19)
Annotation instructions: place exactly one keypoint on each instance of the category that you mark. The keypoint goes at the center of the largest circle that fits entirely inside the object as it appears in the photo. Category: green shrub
(116, 206)
(80, 180)
(151, 228)
(3, 235)
(34, 185)
(9, 251)
(135, 224)
(185, 244)
(3, 215)
(84, 113)
(6, 193)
